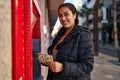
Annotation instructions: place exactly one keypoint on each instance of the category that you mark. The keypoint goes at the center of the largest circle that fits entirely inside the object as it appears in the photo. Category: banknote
(45, 58)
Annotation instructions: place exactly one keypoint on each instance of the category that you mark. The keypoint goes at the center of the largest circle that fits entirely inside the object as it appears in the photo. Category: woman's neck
(68, 30)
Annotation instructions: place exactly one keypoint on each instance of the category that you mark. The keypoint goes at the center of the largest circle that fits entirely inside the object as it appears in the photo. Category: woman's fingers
(56, 66)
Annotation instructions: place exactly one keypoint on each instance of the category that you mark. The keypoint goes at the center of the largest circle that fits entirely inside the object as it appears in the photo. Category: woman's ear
(75, 16)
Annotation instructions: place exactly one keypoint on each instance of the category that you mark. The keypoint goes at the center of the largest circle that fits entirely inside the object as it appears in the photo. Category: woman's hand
(56, 66)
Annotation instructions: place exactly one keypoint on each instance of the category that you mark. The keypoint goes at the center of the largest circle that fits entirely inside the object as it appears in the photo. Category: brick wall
(5, 40)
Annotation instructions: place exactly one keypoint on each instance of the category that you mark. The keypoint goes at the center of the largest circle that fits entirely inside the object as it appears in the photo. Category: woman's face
(66, 17)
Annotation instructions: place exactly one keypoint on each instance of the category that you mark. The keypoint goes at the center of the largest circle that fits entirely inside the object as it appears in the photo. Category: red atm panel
(21, 40)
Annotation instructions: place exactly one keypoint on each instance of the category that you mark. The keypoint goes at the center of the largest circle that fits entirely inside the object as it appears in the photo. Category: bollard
(119, 54)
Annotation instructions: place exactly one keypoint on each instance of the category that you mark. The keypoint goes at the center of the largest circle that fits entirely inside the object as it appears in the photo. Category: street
(106, 67)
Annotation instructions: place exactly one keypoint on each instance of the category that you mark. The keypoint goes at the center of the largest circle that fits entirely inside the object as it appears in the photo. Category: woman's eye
(60, 15)
(66, 14)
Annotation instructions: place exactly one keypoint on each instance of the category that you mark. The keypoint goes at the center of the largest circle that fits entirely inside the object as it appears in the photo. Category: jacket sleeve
(84, 66)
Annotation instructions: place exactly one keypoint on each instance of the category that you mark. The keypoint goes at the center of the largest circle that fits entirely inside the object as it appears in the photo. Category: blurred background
(27, 28)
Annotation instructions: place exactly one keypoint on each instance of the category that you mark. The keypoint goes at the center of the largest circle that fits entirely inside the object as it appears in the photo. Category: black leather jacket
(76, 54)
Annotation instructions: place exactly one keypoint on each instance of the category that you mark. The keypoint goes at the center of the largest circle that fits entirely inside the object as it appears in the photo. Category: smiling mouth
(65, 22)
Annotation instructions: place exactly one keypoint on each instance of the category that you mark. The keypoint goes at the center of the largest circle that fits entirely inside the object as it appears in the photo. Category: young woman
(71, 49)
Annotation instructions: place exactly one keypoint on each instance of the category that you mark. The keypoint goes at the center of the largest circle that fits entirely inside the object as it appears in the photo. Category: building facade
(24, 29)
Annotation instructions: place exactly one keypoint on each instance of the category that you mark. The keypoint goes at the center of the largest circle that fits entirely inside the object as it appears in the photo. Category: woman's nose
(63, 18)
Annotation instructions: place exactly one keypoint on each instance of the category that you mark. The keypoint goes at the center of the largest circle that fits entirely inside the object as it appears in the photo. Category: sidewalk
(108, 49)
(106, 67)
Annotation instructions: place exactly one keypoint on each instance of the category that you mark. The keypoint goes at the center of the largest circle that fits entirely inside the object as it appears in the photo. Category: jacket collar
(76, 30)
